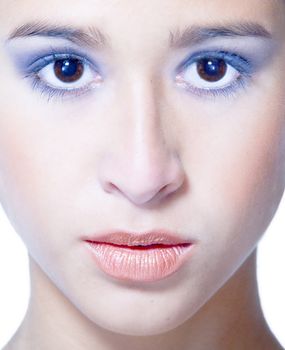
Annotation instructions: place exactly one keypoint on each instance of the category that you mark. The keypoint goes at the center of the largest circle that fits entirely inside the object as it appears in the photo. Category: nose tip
(142, 164)
(143, 183)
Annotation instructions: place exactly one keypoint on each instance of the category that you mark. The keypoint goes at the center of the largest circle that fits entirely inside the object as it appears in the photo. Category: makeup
(144, 257)
(243, 58)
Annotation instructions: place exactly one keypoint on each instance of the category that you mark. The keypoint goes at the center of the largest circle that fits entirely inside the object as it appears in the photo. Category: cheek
(47, 160)
(235, 167)
(18, 176)
(254, 172)
(254, 159)
(243, 179)
(27, 157)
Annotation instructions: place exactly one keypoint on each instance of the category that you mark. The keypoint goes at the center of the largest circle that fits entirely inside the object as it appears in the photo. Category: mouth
(146, 257)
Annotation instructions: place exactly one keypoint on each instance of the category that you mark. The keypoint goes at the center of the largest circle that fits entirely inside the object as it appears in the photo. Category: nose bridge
(146, 167)
(149, 139)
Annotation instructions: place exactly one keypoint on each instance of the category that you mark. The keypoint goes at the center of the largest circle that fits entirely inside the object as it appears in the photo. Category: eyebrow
(93, 37)
(195, 34)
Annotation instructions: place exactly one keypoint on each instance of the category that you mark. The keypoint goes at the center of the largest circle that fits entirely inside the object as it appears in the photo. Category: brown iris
(211, 69)
(68, 70)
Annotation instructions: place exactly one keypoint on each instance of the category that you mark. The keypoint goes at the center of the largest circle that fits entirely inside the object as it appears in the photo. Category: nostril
(143, 180)
(110, 187)
(163, 189)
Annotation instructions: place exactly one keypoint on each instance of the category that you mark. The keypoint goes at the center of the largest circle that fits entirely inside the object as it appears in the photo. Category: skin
(99, 162)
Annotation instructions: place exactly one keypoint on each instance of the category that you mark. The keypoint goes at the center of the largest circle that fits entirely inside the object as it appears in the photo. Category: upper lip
(142, 238)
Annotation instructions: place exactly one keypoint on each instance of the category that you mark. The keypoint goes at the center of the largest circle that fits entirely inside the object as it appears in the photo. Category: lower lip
(144, 264)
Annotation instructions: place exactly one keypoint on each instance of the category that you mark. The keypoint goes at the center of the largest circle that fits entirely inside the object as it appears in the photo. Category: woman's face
(173, 121)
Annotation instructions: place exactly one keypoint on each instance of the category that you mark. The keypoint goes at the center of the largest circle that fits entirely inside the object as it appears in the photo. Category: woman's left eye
(61, 75)
(214, 73)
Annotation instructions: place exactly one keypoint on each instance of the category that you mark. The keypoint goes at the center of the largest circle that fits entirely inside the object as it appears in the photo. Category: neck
(231, 319)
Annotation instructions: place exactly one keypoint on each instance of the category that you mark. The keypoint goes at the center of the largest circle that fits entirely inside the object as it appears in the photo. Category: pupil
(68, 70)
(211, 69)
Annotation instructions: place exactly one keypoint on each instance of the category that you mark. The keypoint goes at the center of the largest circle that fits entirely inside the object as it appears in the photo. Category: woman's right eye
(65, 70)
(64, 74)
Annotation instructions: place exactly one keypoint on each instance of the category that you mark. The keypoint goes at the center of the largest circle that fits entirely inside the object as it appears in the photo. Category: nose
(140, 165)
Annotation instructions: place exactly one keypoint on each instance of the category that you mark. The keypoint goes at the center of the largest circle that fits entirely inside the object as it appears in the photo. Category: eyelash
(239, 63)
(242, 65)
(37, 84)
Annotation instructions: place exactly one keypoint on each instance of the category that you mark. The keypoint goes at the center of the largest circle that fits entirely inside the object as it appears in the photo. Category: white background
(14, 286)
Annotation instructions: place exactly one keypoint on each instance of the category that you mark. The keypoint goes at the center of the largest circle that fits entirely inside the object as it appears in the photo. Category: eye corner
(43, 78)
(232, 75)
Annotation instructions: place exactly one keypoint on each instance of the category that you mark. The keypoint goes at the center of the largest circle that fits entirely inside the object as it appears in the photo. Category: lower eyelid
(243, 66)
(239, 84)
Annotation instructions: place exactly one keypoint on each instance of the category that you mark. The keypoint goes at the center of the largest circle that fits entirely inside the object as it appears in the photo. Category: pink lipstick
(146, 257)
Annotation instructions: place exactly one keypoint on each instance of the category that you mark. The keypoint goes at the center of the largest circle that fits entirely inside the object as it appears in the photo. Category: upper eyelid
(244, 66)
(70, 53)
(229, 57)
(52, 55)
(93, 61)
(60, 54)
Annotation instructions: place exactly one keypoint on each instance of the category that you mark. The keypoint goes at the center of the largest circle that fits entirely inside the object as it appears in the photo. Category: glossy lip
(143, 257)
(134, 239)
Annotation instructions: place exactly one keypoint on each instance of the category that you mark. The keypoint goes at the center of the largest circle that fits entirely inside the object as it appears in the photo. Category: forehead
(142, 24)
(154, 13)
